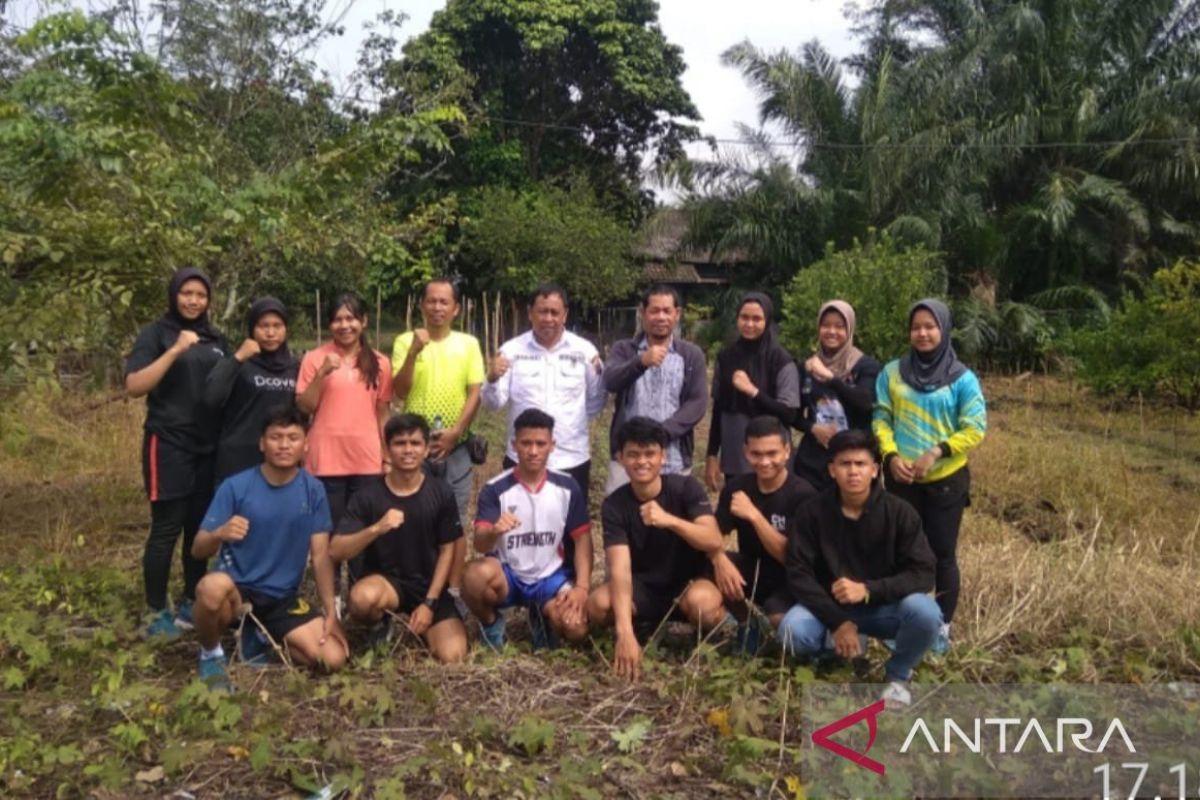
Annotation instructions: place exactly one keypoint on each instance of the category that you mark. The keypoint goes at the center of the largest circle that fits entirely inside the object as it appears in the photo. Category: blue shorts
(535, 594)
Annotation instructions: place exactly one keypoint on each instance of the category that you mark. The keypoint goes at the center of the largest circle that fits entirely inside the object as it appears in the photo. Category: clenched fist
(654, 516)
(500, 365)
(185, 341)
(654, 356)
(392, 518)
(248, 350)
(332, 361)
(234, 530)
(419, 340)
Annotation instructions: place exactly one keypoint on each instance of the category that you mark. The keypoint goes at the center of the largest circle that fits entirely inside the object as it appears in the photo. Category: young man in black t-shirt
(659, 531)
(405, 524)
(759, 506)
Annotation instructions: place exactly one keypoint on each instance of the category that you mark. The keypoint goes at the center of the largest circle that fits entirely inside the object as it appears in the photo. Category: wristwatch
(430, 603)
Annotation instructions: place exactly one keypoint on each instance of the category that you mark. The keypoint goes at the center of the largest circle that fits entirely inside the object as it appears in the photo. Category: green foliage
(880, 279)
(1005, 335)
(532, 734)
(1152, 342)
(518, 239)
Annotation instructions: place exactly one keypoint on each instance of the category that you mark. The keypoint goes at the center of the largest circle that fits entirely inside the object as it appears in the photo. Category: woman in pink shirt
(347, 387)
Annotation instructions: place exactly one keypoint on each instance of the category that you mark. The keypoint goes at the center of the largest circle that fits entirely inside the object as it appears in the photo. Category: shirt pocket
(528, 376)
(570, 379)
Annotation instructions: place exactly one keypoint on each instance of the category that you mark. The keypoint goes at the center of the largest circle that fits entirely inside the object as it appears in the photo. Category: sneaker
(541, 634)
(214, 672)
(748, 639)
(493, 634)
(896, 696)
(941, 645)
(162, 626)
(183, 615)
(255, 647)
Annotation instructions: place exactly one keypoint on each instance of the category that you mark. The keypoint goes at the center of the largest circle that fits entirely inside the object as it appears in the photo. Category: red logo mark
(821, 736)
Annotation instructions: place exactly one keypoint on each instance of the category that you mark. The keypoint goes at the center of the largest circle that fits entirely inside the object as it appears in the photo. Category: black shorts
(652, 603)
(769, 587)
(171, 473)
(412, 597)
(280, 616)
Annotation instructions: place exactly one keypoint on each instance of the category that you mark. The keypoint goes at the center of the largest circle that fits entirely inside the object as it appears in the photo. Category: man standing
(525, 516)
(858, 561)
(759, 506)
(407, 527)
(438, 374)
(659, 376)
(264, 525)
(659, 531)
(553, 370)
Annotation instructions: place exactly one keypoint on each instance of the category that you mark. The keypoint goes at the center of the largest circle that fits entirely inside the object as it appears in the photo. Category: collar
(560, 344)
(872, 499)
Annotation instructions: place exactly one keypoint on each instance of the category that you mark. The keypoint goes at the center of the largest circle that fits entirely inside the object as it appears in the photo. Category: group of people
(270, 464)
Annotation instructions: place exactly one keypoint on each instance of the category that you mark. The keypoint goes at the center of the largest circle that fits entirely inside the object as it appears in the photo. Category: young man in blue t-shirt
(266, 522)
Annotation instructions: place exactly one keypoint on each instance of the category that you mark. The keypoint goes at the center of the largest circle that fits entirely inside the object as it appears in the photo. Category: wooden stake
(378, 314)
(318, 317)
(487, 338)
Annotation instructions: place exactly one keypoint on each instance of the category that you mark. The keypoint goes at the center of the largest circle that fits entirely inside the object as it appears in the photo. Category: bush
(880, 279)
(1152, 343)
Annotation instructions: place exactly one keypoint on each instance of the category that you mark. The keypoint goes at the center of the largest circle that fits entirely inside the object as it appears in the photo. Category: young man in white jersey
(524, 518)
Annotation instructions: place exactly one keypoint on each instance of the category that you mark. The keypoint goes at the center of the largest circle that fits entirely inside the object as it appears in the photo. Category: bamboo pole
(378, 315)
(318, 307)
(487, 338)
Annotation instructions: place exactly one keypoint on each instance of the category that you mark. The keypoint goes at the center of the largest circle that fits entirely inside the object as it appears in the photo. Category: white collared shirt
(563, 381)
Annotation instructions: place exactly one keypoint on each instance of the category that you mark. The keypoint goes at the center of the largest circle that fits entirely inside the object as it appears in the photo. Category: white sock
(216, 652)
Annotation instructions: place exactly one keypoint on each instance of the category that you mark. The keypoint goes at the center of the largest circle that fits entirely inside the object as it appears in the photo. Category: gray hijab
(928, 372)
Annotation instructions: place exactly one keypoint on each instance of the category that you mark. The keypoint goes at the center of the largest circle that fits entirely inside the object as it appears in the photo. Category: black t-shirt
(658, 557)
(778, 507)
(409, 553)
(174, 408)
(243, 394)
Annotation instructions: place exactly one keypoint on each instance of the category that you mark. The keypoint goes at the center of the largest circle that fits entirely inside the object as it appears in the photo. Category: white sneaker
(896, 696)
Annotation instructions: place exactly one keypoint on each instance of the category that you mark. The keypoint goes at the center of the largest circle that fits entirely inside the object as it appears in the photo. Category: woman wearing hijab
(757, 358)
(245, 387)
(169, 364)
(929, 413)
(837, 392)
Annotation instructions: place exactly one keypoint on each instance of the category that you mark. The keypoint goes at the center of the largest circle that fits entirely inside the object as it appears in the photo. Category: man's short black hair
(854, 439)
(548, 290)
(446, 279)
(767, 425)
(405, 423)
(285, 415)
(642, 430)
(661, 289)
(533, 418)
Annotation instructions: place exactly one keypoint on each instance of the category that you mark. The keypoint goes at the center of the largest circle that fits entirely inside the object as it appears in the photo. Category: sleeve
(487, 508)
(624, 366)
(147, 347)
(694, 401)
(476, 374)
(861, 396)
(220, 509)
(400, 352)
(219, 384)
(358, 514)
(578, 522)
(786, 414)
(802, 558)
(725, 520)
(883, 418)
(384, 392)
(972, 415)
(695, 500)
(616, 529)
(914, 561)
(714, 425)
(597, 395)
(787, 385)
(449, 524)
(495, 395)
(320, 516)
(308, 371)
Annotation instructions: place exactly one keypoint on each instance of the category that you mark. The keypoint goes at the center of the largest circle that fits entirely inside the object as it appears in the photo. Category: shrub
(1152, 343)
(880, 279)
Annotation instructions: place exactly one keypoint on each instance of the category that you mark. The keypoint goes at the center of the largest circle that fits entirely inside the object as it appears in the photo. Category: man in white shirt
(551, 369)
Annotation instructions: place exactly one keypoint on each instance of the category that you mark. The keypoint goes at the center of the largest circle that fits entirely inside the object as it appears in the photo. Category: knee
(800, 632)
(702, 604)
(333, 658)
(478, 575)
(365, 598)
(213, 590)
(452, 650)
(921, 612)
(599, 605)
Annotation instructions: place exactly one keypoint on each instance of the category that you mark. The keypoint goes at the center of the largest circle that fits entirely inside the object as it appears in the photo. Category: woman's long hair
(368, 365)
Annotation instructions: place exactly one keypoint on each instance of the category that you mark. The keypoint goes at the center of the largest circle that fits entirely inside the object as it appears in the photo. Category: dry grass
(1078, 557)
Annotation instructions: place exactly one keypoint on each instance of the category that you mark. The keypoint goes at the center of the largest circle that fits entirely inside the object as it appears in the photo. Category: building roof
(666, 259)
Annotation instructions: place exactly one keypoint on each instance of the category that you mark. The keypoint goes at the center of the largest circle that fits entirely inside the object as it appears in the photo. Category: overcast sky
(703, 28)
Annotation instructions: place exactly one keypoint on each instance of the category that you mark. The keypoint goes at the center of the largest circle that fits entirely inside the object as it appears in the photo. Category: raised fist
(247, 351)
(234, 530)
(392, 518)
(500, 365)
(332, 361)
(654, 356)
(186, 340)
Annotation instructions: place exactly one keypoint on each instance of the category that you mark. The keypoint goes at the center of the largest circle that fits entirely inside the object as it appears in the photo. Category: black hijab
(280, 360)
(928, 372)
(761, 358)
(175, 321)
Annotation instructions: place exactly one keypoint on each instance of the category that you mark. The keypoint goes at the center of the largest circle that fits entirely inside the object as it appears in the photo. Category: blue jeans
(913, 623)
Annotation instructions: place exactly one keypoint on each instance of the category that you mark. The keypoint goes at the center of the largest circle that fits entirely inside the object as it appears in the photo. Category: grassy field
(1079, 564)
